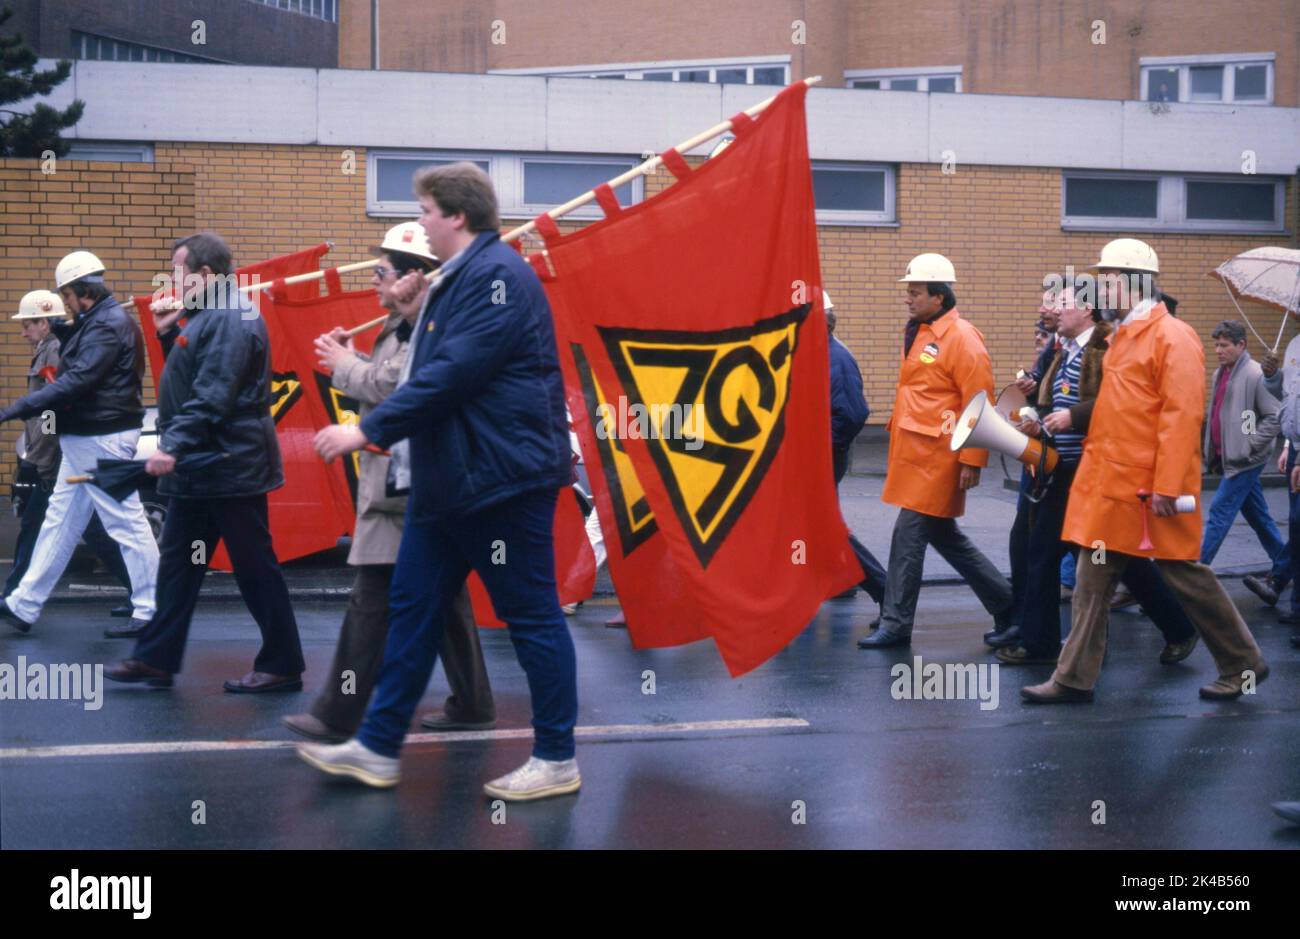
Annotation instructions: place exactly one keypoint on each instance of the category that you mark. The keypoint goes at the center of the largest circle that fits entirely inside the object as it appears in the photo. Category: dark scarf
(913, 327)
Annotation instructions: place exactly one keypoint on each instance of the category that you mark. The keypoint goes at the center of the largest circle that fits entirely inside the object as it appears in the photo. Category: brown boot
(1052, 692)
(1227, 687)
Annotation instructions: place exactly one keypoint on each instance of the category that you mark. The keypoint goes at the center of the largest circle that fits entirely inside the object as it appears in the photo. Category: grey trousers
(342, 703)
(913, 533)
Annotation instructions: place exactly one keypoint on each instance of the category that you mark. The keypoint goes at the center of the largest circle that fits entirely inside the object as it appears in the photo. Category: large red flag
(695, 317)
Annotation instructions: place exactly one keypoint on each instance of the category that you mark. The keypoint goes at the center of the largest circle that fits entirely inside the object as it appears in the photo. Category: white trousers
(596, 537)
(68, 515)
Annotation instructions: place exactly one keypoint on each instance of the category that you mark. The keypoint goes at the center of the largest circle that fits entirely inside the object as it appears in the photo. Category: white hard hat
(79, 265)
(929, 268)
(40, 305)
(1128, 254)
(408, 238)
(827, 304)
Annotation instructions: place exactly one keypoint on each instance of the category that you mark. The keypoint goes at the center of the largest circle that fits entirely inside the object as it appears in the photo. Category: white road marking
(223, 746)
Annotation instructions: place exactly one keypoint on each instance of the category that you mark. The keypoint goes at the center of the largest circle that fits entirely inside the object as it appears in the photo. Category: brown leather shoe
(133, 671)
(311, 727)
(1052, 692)
(260, 682)
(1227, 687)
(1177, 651)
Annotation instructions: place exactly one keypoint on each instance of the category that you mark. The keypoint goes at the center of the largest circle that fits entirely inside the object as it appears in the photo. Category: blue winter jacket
(849, 411)
(484, 404)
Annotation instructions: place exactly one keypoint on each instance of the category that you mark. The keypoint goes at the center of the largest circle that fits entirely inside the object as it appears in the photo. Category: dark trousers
(1040, 625)
(242, 524)
(913, 533)
(1018, 547)
(29, 526)
(342, 703)
(510, 546)
(874, 582)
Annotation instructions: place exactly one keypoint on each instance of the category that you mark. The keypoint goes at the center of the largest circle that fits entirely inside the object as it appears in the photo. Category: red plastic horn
(1145, 544)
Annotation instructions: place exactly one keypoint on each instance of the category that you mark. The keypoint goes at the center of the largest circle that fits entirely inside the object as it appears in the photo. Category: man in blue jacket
(849, 413)
(477, 430)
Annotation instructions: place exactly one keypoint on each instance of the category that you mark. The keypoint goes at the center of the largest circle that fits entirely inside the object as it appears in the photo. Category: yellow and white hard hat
(1128, 254)
(929, 268)
(79, 265)
(40, 305)
(408, 238)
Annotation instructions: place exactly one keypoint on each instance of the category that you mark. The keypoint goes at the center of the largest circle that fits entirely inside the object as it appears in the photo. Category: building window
(1164, 202)
(327, 10)
(109, 152)
(1228, 79)
(942, 79)
(526, 184)
(101, 48)
(756, 71)
(853, 193)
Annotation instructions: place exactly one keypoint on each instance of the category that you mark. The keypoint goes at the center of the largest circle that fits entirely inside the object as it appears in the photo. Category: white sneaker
(353, 760)
(536, 779)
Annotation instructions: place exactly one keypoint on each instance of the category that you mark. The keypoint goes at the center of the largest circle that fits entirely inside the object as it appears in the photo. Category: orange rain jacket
(1145, 434)
(947, 366)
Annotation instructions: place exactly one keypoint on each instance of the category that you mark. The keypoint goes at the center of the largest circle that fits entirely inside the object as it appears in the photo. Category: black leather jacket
(97, 388)
(215, 397)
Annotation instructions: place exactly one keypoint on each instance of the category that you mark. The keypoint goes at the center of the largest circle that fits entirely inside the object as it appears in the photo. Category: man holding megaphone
(1140, 460)
(944, 364)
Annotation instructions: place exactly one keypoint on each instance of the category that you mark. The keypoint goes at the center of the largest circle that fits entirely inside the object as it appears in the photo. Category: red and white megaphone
(982, 426)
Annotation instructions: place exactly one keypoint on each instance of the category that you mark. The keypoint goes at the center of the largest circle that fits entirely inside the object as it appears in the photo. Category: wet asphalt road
(869, 770)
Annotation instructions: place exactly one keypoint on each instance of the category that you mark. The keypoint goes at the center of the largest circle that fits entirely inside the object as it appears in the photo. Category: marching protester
(944, 364)
(39, 464)
(1046, 344)
(849, 413)
(1066, 397)
(1143, 456)
(1240, 427)
(214, 401)
(1284, 383)
(478, 431)
(95, 406)
(337, 711)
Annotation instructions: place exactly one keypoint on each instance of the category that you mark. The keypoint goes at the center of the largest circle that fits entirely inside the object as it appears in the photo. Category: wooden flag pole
(313, 275)
(357, 330)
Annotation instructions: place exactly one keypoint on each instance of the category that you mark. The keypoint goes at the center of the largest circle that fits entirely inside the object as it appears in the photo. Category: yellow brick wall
(127, 213)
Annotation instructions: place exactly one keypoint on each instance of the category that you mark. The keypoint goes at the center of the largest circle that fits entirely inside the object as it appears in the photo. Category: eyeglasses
(381, 272)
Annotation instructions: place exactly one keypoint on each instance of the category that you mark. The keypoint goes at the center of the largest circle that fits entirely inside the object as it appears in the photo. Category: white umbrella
(1266, 275)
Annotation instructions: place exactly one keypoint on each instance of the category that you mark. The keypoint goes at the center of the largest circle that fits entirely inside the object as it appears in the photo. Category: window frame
(922, 76)
(855, 217)
(507, 172)
(636, 71)
(1171, 205)
(1184, 64)
(144, 151)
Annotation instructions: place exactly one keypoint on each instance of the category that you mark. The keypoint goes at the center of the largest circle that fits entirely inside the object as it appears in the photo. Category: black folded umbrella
(120, 478)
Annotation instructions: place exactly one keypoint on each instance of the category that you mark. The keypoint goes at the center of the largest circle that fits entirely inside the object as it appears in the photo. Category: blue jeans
(509, 545)
(1243, 493)
(1067, 571)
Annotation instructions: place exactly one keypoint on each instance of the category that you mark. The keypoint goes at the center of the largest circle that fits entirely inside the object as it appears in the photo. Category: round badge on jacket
(929, 353)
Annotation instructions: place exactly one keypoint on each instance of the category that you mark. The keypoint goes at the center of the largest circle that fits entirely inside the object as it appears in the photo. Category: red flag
(695, 319)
